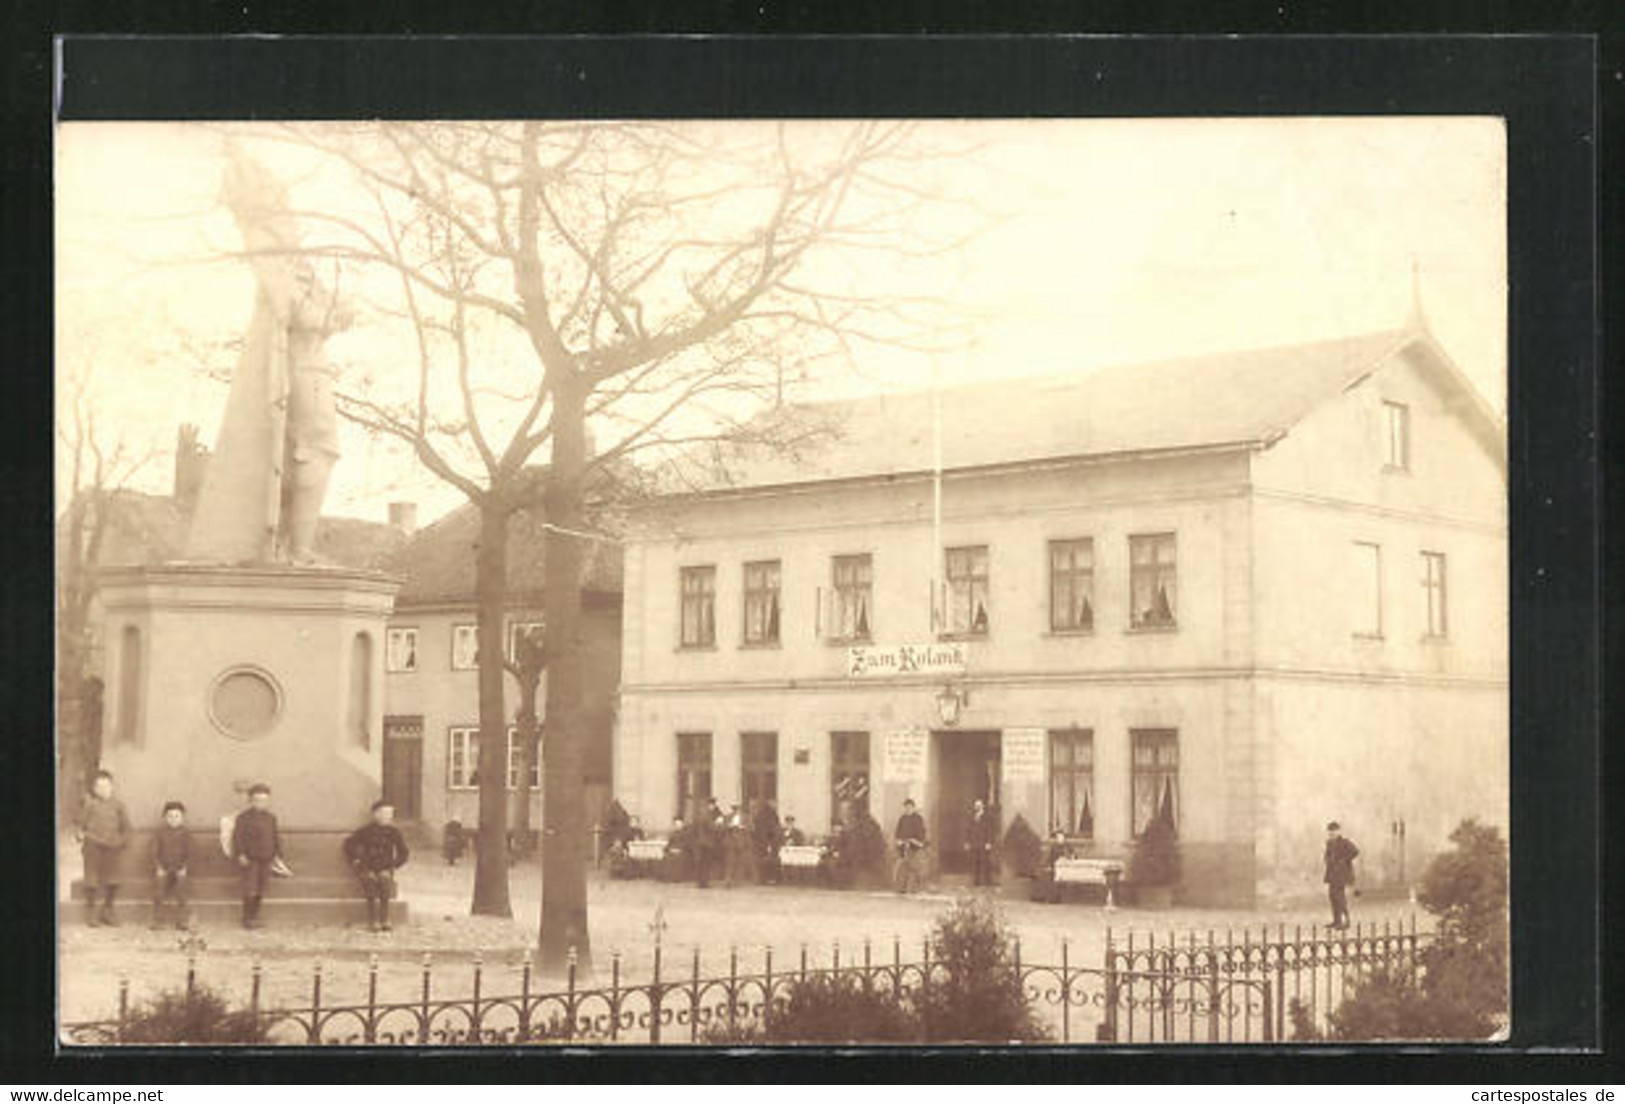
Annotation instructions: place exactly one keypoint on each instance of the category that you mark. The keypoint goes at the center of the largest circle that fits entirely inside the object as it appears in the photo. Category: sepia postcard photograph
(780, 582)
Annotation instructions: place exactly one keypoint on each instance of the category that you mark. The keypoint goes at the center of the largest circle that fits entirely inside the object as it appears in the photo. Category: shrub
(868, 851)
(975, 994)
(1303, 1022)
(1022, 849)
(824, 1008)
(1155, 859)
(202, 1016)
(1462, 990)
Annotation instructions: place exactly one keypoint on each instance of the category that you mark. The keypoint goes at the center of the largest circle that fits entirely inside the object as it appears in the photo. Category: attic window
(1396, 426)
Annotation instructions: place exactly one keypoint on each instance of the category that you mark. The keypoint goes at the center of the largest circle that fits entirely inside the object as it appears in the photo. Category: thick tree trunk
(564, 820)
(491, 591)
(525, 724)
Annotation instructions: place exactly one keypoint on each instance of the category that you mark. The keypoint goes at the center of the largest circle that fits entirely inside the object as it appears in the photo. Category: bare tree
(95, 465)
(661, 283)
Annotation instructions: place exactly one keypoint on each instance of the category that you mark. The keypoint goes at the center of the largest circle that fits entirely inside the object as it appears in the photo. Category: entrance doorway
(403, 765)
(967, 768)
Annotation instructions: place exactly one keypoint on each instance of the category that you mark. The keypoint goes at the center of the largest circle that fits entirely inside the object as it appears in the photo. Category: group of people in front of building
(103, 829)
(744, 841)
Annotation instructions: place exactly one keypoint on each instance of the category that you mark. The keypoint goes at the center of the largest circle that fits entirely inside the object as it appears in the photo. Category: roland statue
(278, 441)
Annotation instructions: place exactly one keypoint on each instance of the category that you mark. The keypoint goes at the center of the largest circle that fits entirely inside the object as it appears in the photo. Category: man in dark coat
(980, 835)
(707, 841)
(256, 845)
(375, 851)
(1340, 856)
(910, 840)
(765, 825)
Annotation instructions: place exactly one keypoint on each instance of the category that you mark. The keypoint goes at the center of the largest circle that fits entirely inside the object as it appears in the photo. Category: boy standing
(256, 845)
(375, 851)
(171, 853)
(103, 831)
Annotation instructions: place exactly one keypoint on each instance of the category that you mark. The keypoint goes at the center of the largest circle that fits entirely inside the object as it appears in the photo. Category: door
(967, 770)
(403, 765)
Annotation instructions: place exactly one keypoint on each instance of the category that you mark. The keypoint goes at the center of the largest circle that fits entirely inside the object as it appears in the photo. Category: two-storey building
(1263, 590)
(431, 727)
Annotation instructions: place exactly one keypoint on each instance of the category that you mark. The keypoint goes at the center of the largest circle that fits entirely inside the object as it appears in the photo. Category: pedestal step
(137, 913)
(228, 888)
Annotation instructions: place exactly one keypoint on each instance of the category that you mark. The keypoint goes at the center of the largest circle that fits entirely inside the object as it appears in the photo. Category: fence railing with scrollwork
(1315, 968)
(1190, 990)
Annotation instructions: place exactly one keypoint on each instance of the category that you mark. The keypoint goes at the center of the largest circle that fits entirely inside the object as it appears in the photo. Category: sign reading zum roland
(905, 659)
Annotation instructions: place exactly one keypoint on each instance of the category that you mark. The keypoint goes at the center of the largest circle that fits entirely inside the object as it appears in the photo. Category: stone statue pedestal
(220, 677)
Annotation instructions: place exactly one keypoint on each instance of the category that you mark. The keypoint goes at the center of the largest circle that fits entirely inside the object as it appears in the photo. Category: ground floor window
(758, 767)
(1156, 775)
(1072, 782)
(463, 760)
(693, 773)
(848, 774)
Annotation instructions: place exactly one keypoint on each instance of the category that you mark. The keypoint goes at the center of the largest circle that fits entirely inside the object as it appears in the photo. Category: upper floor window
(465, 647)
(400, 650)
(1153, 581)
(762, 602)
(854, 594)
(1071, 585)
(967, 590)
(1396, 426)
(1433, 584)
(527, 631)
(699, 587)
(1367, 589)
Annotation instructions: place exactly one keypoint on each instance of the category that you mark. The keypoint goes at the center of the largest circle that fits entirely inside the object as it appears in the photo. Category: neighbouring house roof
(151, 529)
(438, 562)
(1227, 399)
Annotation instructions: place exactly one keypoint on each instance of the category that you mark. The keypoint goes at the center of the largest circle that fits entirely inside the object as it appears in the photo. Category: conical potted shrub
(1154, 863)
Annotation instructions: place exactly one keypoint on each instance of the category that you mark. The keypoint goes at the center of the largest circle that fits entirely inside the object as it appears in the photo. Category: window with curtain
(762, 602)
(699, 611)
(1155, 776)
(1153, 581)
(1072, 585)
(1072, 782)
(852, 616)
(967, 590)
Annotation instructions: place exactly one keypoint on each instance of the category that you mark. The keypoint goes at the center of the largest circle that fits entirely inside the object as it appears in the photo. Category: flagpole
(936, 498)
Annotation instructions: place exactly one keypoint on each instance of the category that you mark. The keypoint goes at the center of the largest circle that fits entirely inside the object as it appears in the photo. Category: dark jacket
(171, 848)
(980, 832)
(767, 829)
(103, 820)
(911, 826)
(375, 847)
(1340, 856)
(255, 836)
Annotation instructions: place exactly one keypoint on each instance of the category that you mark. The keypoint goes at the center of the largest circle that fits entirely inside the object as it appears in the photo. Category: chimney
(404, 516)
(191, 462)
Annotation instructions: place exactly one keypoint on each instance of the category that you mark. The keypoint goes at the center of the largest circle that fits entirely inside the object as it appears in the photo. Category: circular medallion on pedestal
(244, 702)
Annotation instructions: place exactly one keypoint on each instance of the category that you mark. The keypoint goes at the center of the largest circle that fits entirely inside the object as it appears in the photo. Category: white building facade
(1261, 591)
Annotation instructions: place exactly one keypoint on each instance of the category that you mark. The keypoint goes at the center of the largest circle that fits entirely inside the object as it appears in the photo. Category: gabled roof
(438, 562)
(1230, 399)
(151, 529)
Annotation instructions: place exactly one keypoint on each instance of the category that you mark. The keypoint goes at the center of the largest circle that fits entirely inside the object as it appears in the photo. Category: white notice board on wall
(904, 757)
(1021, 755)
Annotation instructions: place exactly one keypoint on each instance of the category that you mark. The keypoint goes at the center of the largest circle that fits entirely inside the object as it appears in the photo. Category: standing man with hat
(1340, 856)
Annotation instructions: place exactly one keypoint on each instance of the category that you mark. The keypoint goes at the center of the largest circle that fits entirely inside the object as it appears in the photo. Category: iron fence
(1190, 990)
(1315, 968)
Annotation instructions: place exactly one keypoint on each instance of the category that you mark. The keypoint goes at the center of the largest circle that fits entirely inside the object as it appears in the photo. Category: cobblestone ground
(711, 922)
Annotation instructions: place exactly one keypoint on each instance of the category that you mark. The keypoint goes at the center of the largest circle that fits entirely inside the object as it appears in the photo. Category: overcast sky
(1112, 241)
